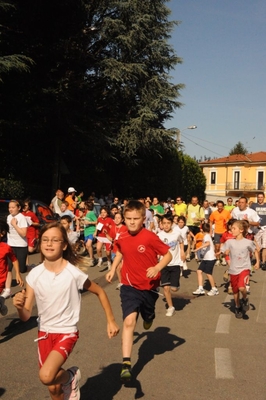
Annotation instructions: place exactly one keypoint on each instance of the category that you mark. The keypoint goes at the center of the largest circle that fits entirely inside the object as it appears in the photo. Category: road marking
(261, 317)
(223, 364)
(223, 323)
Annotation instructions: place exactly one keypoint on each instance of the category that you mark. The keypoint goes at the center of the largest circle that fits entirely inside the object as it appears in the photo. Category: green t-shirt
(157, 209)
(90, 229)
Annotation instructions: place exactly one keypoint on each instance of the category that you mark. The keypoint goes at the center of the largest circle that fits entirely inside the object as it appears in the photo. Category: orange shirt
(220, 220)
(198, 239)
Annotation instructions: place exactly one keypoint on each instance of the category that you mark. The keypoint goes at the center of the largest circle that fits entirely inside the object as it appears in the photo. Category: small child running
(207, 264)
(239, 251)
(56, 285)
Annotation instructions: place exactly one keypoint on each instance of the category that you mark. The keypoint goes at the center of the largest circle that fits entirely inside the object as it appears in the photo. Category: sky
(223, 47)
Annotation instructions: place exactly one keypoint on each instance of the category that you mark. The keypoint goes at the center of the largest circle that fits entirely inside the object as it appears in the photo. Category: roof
(259, 157)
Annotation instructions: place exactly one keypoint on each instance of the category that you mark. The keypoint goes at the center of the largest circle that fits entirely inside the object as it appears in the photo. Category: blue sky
(223, 47)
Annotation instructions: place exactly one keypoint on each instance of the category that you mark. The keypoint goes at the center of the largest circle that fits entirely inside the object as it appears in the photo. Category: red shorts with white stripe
(240, 280)
(61, 342)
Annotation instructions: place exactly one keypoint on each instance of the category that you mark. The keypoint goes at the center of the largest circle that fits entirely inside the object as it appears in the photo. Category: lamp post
(178, 133)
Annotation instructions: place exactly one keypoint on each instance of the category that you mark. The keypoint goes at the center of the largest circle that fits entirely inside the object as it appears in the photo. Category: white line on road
(223, 364)
(223, 323)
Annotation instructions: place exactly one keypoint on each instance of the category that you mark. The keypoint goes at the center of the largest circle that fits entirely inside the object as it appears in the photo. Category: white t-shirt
(13, 238)
(248, 213)
(183, 232)
(173, 240)
(207, 253)
(58, 297)
(239, 252)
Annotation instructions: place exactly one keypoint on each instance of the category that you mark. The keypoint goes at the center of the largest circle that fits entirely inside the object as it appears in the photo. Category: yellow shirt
(194, 212)
(180, 209)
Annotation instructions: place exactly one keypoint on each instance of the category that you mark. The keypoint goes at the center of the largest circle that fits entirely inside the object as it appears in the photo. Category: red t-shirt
(32, 231)
(5, 253)
(107, 224)
(115, 233)
(140, 252)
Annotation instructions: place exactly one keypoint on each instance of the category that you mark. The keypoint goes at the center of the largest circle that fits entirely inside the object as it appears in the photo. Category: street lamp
(178, 133)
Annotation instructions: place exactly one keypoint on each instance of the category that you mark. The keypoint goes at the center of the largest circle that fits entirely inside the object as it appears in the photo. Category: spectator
(57, 201)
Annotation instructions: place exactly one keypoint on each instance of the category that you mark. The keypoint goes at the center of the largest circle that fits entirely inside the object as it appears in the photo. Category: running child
(140, 276)
(90, 222)
(170, 275)
(239, 250)
(186, 234)
(104, 224)
(208, 260)
(56, 286)
(226, 236)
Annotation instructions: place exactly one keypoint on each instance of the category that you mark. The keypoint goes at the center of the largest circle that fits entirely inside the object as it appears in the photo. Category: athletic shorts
(140, 301)
(217, 238)
(170, 276)
(261, 238)
(61, 342)
(21, 253)
(207, 266)
(89, 237)
(31, 241)
(194, 229)
(239, 280)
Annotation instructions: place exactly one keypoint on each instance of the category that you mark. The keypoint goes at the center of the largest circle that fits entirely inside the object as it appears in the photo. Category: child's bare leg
(200, 278)
(127, 334)
(99, 246)
(89, 248)
(236, 298)
(8, 280)
(52, 375)
(243, 291)
(211, 280)
(168, 297)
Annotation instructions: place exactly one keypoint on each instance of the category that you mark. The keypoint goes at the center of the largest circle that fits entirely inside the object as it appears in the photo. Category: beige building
(235, 176)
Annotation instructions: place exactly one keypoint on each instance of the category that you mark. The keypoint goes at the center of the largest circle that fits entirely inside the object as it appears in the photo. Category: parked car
(42, 210)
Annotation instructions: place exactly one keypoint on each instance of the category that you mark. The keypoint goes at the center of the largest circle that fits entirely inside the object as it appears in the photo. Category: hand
(112, 329)
(14, 222)
(109, 276)
(257, 265)
(152, 272)
(19, 280)
(19, 299)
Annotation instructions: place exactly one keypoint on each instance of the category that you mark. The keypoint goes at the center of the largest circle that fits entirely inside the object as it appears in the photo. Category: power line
(222, 155)
(220, 145)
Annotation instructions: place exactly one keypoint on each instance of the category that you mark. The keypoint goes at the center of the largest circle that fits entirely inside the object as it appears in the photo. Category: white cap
(71, 190)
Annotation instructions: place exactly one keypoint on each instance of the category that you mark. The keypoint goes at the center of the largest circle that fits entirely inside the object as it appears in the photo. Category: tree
(238, 149)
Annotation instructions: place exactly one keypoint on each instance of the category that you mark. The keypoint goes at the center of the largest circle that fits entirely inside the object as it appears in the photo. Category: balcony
(244, 186)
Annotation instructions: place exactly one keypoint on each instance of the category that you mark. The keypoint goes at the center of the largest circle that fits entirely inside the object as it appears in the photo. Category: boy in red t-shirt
(140, 276)
(6, 253)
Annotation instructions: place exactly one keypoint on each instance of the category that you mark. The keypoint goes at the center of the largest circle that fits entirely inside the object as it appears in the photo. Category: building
(236, 175)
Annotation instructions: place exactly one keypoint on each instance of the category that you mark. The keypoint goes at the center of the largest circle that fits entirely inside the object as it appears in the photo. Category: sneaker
(147, 324)
(230, 290)
(188, 258)
(248, 289)
(6, 293)
(223, 262)
(181, 271)
(119, 286)
(71, 391)
(185, 266)
(238, 312)
(170, 311)
(245, 304)
(217, 263)
(125, 374)
(100, 261)
(226, 276)
(3, 307)
(199, 292)
(213, 292)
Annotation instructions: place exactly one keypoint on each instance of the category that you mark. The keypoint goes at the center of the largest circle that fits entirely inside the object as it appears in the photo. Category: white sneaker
(199, 292)
(71, 391)
(6, 293)
(224, 262)
(170, 311)
(184, 266)
(217, 263)
(213, 292)
(100, 261)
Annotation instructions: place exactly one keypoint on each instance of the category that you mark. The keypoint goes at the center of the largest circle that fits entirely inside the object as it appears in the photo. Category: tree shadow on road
(107, 383)
(17, 327)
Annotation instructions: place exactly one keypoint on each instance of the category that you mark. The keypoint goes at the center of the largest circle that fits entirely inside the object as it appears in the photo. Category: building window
(260, 185)
(236, 180)
(213, 178)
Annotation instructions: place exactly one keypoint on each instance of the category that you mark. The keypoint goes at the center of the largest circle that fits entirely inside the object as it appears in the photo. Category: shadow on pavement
(107, 384)
(17, 327)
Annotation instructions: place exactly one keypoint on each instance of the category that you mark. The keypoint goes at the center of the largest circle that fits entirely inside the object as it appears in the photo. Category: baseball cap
(71, 190)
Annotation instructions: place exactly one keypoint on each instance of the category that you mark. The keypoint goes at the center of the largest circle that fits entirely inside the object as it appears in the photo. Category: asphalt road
(202, 352)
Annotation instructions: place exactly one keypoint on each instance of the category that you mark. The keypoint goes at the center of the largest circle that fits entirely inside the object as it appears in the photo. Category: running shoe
(147, 324)
(6, 293)
(213, 292)
(3, 307)
(71, 391)
(125, 374)
(100, 261)
(238, 312)
(170, 311)
(199, 292)
(226, 276)
(223, 262)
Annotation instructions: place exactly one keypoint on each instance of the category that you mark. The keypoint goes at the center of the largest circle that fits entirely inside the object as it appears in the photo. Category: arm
(112, 327)
(152, 272)
(18, 276)
(21, 231)
(256, 253)
(117, 260)
(23, 301)
(182, 253)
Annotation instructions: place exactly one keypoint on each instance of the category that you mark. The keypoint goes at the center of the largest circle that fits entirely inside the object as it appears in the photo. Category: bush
(10, 188)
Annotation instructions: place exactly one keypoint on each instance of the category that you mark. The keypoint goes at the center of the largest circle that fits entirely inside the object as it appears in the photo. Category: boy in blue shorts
(140, 276)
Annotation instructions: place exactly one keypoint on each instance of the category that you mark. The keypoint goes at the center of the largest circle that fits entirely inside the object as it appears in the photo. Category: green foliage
(193, 179)
(239, 148)
(11, 188)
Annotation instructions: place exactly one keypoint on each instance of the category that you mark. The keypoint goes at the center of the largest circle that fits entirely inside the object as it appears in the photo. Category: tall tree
(239, 148)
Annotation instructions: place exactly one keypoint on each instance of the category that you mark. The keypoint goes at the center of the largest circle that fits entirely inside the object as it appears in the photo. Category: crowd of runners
(147, 243)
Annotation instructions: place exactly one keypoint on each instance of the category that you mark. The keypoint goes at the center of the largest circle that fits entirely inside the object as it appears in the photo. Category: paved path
(202, 352)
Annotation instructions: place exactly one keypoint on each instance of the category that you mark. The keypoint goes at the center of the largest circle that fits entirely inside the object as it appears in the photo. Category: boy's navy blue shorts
(140, 301)
(170, 276)
(207, 266)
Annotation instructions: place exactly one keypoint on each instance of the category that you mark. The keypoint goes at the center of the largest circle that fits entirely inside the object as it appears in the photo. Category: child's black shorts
(207, 266)
(170, 276)
(140, 301)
